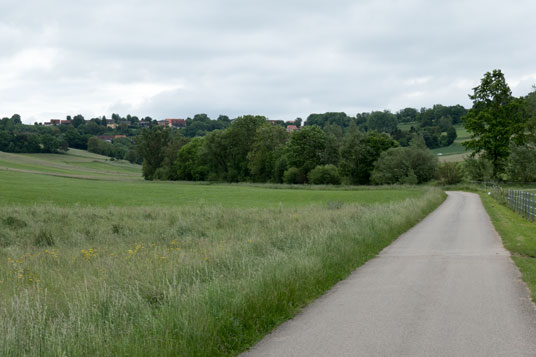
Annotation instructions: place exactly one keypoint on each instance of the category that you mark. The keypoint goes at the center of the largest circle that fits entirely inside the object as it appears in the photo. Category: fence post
(533, 207)
(522, 203)
(525, 204)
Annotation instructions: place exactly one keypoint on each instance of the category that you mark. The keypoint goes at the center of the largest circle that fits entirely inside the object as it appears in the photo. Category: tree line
(256, 150)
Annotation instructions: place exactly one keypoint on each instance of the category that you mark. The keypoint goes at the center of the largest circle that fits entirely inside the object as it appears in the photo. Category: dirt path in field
(447, 287)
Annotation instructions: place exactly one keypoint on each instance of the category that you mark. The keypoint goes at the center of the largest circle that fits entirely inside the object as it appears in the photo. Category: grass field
(456, 151)
(126, 267)
(75, 163)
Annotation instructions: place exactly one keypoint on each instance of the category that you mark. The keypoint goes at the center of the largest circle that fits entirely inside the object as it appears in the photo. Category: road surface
(447, 287)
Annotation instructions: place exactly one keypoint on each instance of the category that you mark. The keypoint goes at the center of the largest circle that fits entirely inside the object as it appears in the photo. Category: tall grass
(200, 280)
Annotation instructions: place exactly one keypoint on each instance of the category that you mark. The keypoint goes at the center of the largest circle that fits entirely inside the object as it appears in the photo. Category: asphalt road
(447, 287)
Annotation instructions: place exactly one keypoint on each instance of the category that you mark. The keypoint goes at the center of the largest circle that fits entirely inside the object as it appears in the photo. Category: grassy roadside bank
(518, 236)
(204, 280)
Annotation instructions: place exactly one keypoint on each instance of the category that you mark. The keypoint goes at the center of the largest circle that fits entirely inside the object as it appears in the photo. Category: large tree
(360, 151)
(151, 145)
(495, 120)
(266, 149)
(310, 147)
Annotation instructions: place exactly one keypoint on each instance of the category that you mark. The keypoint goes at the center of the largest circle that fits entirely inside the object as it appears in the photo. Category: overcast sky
(282, 59)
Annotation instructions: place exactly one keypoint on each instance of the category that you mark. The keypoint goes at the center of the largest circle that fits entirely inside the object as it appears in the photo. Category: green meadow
(96, 261)
(456, 151)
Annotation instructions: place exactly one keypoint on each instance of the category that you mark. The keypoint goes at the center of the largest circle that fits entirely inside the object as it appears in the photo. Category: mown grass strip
(518, 236)
(24, 188)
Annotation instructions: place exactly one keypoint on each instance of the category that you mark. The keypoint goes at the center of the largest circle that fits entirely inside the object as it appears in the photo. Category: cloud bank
(283, 59)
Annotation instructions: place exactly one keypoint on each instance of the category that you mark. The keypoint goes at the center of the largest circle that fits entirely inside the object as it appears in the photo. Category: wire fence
(523, 203)
(520, 201)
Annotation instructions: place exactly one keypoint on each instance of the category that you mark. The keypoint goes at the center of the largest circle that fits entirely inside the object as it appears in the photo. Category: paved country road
(447, 287)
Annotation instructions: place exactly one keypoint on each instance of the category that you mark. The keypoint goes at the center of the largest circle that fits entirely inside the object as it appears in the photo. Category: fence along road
(523, 203)
(447, 287)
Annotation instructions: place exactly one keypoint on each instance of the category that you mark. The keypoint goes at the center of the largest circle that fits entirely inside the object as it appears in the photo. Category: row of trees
(252, 149)
(435, 125)
(334, 148)
(19, 138)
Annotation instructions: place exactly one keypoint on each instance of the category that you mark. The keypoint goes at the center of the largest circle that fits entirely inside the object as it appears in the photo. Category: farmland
(452, 153)
(456, 151)
(96, 261)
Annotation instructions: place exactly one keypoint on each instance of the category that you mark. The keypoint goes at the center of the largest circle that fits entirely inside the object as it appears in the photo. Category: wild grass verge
(203, 280)
(518, 236)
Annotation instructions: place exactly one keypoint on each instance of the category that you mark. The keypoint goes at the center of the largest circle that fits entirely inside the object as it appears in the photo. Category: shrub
(293, 175)
(522, 164)
(449, 173)
(480, 169)
(324, 175)
(406, 165)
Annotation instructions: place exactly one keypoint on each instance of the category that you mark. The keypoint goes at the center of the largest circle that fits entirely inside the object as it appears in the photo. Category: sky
(282, 59)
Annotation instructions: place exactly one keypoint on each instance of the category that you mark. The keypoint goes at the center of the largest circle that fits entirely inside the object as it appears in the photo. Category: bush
(324, 175)
(405, 165)
(449, 173)
(522, 164)
(478, 169)
(293, 176)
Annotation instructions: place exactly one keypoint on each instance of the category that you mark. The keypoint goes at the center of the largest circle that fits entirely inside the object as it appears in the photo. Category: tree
(170, 152)
(449, 173)
(324, 175)
(382, 122)
(359, 152)
(265, 150)
(341, 119)
(78, 120)
(412, 165)
(293, 176)
(190, 165)
(240, 137)
(478, 169)
(451, 135)
(407, 115)
(307, 148)
(16, 119)
(495, 120)
(215, 146)
(50, 143)
(151, 145)
(522, 164)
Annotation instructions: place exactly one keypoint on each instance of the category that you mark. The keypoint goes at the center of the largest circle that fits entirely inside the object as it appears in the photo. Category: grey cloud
(279, 58)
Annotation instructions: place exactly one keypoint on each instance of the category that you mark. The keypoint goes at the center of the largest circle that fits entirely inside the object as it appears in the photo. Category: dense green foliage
(407, 165)
(18, 138)
(324, 175)
(521, 165)
(478, 169)
(496, 120)
(450, 173)
(252, 149)
(266, 151)
(359, 152)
